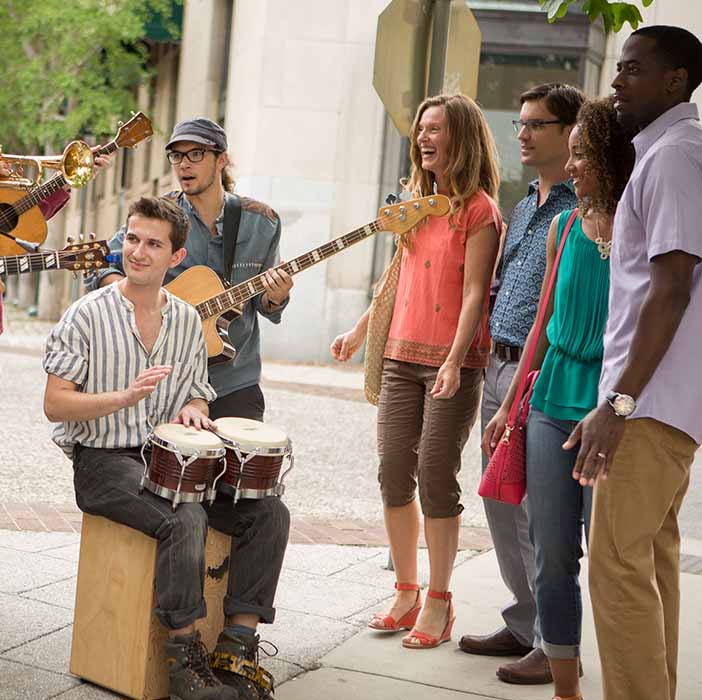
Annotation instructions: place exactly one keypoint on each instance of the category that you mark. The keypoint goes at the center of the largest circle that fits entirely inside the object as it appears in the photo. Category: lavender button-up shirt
(660, 211)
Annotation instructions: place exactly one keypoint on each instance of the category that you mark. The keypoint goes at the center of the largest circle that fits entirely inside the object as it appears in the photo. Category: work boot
(189, 674)
(235, 663)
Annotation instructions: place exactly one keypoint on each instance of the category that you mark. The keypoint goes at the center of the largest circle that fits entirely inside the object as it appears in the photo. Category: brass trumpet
(76, 163)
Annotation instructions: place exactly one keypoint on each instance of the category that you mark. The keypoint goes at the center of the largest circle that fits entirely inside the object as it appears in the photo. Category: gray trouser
(509, 525)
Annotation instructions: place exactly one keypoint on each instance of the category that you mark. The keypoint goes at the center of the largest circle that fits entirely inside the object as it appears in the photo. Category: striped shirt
(96, 345)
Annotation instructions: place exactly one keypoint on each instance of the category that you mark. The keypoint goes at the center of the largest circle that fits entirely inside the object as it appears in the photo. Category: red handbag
(505, 477)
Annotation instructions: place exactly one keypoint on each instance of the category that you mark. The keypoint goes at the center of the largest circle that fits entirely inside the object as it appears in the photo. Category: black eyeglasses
(532, 124)
(194, 155)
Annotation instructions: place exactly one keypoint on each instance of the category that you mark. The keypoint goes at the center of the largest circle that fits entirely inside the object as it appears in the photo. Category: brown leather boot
(500, 643)
(532, 669)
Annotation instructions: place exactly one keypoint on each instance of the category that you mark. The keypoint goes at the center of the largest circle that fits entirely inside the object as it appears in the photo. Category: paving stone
(32, 542)
(318, 596)
(20, 572)
(21, 682)
(61, 593)
(24, 620)
(326, 560)
(88, 691)
(51, 652)
(303, 639)
(69, 552)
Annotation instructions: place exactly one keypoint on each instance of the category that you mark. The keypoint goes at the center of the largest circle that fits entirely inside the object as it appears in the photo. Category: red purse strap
(539, 322)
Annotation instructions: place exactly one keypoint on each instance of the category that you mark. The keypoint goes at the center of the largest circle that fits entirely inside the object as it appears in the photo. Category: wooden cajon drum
(117, 640)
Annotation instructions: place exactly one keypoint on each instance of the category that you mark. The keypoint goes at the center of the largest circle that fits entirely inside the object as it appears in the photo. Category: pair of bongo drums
(241, 458)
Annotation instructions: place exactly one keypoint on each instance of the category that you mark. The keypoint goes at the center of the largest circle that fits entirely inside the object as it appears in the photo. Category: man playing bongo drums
(122, 361)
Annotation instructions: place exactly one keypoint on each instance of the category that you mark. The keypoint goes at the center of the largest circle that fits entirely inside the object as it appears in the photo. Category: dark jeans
(245, 403)
(107, 483)
(558, 505)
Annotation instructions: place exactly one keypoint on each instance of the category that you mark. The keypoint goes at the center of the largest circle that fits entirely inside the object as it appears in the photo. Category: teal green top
(567, 385)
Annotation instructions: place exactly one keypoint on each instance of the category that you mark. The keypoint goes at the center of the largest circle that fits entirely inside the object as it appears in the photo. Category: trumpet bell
(77, 163)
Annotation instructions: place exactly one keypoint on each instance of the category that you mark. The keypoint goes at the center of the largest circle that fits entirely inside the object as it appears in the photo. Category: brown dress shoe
(532, 669)
(500, 643)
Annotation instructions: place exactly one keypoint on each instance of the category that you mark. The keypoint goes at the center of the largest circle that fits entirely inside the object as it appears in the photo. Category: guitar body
(199, 284)
(30, 226)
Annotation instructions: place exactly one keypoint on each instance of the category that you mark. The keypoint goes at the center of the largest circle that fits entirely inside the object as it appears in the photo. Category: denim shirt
(521, 270)
(257, 249)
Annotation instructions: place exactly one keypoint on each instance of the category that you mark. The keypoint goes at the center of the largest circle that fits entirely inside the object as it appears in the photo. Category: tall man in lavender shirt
(637, 446)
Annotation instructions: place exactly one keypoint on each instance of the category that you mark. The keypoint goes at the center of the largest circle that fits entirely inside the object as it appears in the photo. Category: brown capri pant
(420, 438)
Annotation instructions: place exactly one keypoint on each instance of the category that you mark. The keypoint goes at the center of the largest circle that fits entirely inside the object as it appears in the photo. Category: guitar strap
(230, 233)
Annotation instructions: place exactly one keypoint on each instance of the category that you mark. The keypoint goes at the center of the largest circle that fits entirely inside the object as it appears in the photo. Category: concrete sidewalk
(326, 595)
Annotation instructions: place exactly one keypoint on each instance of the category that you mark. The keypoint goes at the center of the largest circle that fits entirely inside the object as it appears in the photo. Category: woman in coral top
(437, 348)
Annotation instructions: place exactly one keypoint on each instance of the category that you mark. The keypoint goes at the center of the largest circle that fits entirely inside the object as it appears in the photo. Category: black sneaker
(235, 663)
(189, 674)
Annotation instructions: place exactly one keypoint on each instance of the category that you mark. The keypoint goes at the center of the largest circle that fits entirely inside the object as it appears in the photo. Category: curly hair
(608, 149)
(473, 162)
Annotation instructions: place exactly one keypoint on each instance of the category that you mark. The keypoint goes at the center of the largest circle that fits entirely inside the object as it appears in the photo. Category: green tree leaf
(614, 14)
(71, 68)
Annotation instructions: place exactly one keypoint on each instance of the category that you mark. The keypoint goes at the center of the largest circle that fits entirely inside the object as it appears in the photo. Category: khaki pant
(635, 561)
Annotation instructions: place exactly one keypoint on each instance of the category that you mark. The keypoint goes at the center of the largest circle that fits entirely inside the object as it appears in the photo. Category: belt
(508, 353)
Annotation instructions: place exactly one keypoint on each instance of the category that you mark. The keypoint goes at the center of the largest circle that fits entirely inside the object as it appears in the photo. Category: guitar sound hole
(8, 218)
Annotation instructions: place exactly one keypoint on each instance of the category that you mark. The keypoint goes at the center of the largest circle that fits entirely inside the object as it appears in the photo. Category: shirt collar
(165, 311)
(648, 136)
(190, 209)
(566, 184)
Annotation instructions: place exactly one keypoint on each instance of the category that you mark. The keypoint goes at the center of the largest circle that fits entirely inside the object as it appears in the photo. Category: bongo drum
(185, 464)
(255, 455)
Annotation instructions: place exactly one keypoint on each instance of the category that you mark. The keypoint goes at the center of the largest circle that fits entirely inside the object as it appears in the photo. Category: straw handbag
(381, 309)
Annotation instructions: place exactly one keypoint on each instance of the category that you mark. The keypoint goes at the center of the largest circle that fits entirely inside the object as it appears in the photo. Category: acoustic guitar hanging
(20, 216)
(219, 304)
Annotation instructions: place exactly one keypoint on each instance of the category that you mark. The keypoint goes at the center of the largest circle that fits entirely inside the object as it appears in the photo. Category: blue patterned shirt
(521, 270)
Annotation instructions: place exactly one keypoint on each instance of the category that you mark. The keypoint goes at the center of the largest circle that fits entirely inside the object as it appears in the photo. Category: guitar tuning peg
(75, 275)
(390, 199)
(91, 236)
(70, 240)
(120, 122)
(81, 237)
(132, 112)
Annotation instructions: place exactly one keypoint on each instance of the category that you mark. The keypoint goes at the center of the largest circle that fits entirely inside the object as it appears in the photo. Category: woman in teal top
(569, 356)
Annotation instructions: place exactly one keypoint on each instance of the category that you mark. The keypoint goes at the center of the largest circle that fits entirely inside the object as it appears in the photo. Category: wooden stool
(117, 640)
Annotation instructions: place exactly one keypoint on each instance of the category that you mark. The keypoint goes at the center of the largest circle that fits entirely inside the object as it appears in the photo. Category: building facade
(292, 84)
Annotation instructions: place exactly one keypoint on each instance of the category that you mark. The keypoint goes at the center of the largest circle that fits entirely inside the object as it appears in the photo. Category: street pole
(441, 17)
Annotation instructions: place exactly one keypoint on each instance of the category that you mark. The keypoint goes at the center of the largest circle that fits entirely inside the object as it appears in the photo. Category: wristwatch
(622, 404)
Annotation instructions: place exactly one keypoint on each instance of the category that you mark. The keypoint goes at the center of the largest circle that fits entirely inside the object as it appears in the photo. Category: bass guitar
(20, 215)
(219, 303)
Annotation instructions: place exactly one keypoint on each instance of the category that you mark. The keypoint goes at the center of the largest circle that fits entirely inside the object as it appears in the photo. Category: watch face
(623, 405)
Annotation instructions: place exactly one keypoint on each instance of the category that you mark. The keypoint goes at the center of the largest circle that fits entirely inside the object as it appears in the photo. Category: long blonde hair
(473, 161)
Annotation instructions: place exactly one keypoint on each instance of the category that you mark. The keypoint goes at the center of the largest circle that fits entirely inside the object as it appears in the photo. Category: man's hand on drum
(193, 413)
(277, 284)
(145, 384)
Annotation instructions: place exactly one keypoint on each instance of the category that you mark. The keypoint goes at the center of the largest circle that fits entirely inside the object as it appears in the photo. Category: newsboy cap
(200, 130)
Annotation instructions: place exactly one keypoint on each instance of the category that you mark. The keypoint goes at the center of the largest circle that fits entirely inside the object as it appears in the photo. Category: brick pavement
(44, 517)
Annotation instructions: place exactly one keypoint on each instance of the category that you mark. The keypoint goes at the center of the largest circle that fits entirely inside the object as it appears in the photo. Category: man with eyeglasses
(197, 151)
(547, 116)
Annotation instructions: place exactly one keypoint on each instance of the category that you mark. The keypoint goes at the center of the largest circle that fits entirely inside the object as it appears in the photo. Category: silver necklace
(604, 247)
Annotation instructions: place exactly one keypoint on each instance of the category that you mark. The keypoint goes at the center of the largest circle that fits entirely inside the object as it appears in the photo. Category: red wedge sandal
(419, 640)
(387, 623)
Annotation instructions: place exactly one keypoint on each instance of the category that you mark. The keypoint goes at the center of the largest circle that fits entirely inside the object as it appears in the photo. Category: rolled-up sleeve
(671, 205)
(271, 260)
(93, 279)
(54, 203)
(68, 348)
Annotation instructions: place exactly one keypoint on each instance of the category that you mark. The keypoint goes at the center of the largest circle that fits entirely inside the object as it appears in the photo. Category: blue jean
(557, 507)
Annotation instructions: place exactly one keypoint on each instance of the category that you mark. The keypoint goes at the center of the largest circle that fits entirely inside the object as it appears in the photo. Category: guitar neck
(41, 192)
(238, 295)
(32, 262)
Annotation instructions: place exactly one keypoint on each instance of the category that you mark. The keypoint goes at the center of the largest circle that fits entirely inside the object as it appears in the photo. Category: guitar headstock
(403, 216)
(134, 131)
(86, 255)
